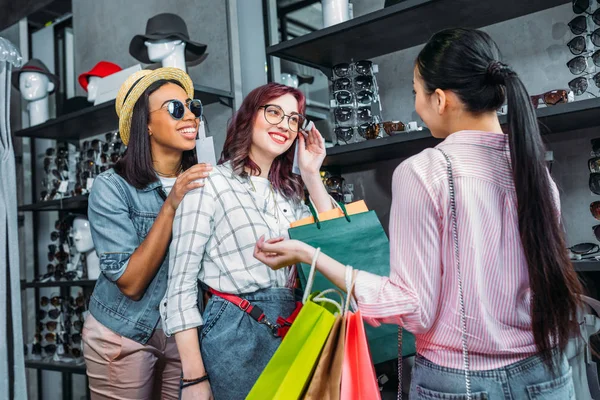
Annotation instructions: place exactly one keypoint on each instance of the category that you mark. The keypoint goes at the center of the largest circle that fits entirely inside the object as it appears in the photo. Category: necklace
(173, 175)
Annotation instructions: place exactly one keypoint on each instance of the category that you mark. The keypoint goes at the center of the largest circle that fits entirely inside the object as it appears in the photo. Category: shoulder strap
(463, 319)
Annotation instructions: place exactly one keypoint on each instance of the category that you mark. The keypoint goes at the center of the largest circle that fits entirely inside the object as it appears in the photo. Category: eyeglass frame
(266, 106)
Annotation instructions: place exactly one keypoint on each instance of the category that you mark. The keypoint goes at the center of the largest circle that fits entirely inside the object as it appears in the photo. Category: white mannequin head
(82, 235)
(92, 88)
(170, 53)
(34, 86)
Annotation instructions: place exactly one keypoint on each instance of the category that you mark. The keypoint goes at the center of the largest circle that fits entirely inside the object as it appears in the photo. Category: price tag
(89, 184)
(64, 186)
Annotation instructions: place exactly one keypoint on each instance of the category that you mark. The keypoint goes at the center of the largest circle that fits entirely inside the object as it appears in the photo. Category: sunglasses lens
(579, 86)
(369, 131)
(393, 126)
(54, 314)
(595, 209)
(594, 183)
(577, 45)
(51, 325)
(363, 82)
(343, 97)
(78, 325)
(578, 25)
(341, 70)
(597, 232)
(50, 349)
(364, 114)
(176, 109)
(196, 108)
(577, 65)
(596, 37)
(555, 97)
(76, 338)
(594, 167)
(363, 67)
(342, 84)
(344, 133)
(364, 97)
(44, 301)
(580, 6)
(343, 114)
(584, 248)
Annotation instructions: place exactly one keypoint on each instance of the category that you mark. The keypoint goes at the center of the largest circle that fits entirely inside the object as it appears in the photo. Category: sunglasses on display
(52, 314)
(578, 25)
(550, 98)
(580, 84)
(37, 349)
(595, 209)
(363, 67)
(364, 114)
(584, 249)
(55, 301)
(274, 115)
(363, 82)
(112, 137)
(343, 114)
(343, 97)
(594, 183)
(579, 64)
(91, 144)
(176, 108)
(344, 133)
(364, 97)
(342, 84)
(580, 6)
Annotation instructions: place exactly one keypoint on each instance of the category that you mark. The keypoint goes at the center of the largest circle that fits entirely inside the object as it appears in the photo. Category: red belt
(278, 329)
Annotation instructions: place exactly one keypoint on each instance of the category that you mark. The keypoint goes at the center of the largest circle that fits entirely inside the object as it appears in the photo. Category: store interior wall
(103, 30)
(535, 46)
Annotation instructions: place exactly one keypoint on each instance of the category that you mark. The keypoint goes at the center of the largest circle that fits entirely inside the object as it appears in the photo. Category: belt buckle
(244, 305)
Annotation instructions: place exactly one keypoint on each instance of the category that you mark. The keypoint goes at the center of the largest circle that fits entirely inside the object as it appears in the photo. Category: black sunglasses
(580, 6)
(580, 84)
(344, 133)
(343, 97)
(594, 183)
(177, 109)
(53, 314)
(342, 84)
(585, 249)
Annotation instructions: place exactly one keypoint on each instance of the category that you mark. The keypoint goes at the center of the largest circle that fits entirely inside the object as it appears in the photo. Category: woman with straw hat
(131, 211)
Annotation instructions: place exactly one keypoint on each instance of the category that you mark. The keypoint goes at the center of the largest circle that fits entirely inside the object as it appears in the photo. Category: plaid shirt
(214, 233)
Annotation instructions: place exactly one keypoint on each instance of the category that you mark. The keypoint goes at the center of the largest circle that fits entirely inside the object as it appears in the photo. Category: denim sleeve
(113, 233)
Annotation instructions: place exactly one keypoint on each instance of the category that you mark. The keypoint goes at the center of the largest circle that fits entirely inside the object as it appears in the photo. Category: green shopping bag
(358, 240)
(288, 373)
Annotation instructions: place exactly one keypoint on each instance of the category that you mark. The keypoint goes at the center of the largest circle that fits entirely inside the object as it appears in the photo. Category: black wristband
(191, 382)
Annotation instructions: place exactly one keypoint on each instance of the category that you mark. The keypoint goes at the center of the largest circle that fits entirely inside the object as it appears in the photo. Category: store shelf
(81, 283)
(587, 266)
(553, 120)
(404, 25)
(76, 203)
(56, 366)
(102, 118)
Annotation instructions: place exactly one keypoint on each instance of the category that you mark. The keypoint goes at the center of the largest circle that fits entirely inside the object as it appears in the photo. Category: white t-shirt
(167, 183)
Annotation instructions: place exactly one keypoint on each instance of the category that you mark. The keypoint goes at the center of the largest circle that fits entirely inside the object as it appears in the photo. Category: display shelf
(102, 118)
(81, 282)
(75, 203)
(587, 265)
(56, 366)
(553, 120)
(398, 27)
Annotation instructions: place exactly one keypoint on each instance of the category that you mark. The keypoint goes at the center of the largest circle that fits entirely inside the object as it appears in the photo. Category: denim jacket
(120, 217)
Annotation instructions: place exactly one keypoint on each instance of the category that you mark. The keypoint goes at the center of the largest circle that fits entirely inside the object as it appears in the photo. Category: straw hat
(136, 85)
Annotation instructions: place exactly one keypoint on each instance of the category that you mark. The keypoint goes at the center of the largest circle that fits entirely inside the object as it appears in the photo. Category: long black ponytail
(467, 62)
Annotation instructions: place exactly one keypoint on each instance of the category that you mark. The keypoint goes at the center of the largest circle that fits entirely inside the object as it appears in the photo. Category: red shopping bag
(358, 374)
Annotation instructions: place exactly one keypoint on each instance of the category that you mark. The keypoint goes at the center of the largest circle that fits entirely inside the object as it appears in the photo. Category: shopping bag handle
(320, 298)
(315, 214)
(311, 276)
(349, 288)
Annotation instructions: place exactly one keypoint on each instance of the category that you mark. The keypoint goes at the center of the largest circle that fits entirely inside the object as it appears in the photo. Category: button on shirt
(214, 233)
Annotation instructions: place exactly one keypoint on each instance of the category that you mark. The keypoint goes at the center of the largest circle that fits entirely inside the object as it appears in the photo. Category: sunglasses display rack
(355, 101)
(585, 47)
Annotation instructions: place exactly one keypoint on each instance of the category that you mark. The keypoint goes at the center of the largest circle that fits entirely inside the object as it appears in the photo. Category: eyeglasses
(55, 301)
(342, 84)
(594, 183)
(343, 97)
(580, 6)
(550, 98)
(577, 45)
(52, 314)
(579, 64)
(585, 249)
(580, 84)
(177, 109)
(274, 115)
(343, 114)
(334, 183)
(363, 82)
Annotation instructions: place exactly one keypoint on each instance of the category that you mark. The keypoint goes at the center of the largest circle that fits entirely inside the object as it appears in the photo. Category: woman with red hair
(252, 193)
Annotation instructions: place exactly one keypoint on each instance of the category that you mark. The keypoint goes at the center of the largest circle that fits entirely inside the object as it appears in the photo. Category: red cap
(102, 69)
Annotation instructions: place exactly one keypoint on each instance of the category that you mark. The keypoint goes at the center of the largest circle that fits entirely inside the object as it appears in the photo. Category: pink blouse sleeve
(410, 295)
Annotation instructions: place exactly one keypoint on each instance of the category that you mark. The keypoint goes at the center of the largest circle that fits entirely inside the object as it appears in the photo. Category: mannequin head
(82, 235)
(171, 53)
(34, 86)
(92, 88)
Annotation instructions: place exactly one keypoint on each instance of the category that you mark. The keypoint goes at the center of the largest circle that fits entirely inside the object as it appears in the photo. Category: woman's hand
(279, 253)
(311, 152)
(186, 182)
(200, 391)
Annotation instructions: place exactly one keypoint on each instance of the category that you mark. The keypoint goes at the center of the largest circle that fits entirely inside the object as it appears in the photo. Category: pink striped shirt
(421, 292)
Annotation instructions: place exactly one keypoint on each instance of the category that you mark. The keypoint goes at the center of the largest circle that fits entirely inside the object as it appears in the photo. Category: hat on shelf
(35, 65)
(136, 85)
(102, 69)
(167, 26)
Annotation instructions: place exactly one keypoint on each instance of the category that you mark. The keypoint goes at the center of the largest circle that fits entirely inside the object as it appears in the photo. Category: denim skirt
(236, 348)
(526, 379)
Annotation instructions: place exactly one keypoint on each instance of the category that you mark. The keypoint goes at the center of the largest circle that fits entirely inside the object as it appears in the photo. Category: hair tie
(497, 72)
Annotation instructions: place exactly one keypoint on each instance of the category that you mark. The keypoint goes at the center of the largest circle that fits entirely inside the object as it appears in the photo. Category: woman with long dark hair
(131, 210)
(493, 308)
(251, 193)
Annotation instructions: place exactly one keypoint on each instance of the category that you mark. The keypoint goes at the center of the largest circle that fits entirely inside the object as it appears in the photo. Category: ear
(50, 86)
(441, 100)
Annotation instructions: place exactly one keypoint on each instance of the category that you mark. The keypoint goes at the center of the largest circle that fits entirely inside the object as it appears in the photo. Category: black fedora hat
(34, 65)
(166, 26)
